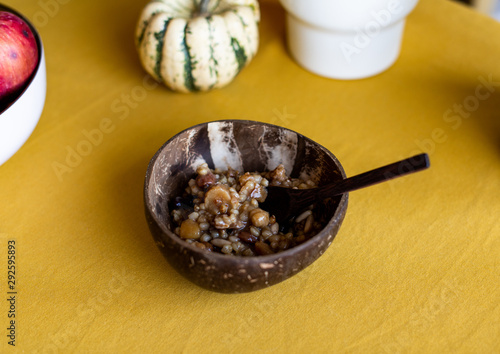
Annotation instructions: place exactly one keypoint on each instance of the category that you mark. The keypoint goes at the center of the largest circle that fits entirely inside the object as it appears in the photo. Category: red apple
(18, 53)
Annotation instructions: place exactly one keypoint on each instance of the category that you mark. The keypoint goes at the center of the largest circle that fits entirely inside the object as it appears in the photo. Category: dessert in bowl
(242, 146)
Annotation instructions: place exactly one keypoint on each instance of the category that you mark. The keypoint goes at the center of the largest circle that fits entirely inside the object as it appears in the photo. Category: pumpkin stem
(203, 8)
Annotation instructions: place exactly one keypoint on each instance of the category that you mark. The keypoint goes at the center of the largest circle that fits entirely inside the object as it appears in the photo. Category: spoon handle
(381, 174)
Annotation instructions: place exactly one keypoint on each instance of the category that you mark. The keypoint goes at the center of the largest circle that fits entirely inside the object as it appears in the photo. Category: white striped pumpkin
(192, 51)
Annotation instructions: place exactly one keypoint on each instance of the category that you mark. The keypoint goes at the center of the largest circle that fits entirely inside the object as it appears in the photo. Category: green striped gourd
(197, 45)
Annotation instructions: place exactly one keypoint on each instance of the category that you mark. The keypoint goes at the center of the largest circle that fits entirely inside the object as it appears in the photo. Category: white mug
(346, 39)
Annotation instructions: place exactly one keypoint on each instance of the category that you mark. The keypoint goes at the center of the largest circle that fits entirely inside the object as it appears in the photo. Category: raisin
(263, 249)
(205, 181)
(208, 246)
(247, 237)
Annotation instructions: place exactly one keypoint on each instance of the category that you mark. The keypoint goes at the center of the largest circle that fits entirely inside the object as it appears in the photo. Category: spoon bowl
(287, 203)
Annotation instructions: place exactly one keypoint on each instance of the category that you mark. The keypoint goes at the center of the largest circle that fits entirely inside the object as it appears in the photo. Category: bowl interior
(242, 145)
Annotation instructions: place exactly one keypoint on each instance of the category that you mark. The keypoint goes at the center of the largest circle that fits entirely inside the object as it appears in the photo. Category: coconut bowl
(246, 146)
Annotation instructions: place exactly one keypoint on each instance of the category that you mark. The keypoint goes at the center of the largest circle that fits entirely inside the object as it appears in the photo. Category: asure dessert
(220, 212)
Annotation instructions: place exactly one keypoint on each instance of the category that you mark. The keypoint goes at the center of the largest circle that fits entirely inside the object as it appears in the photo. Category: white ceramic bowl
(343, 39)
(18, 120)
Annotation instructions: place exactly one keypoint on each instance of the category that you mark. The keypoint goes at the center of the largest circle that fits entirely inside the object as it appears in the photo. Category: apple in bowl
(18, 54)
(22, 81)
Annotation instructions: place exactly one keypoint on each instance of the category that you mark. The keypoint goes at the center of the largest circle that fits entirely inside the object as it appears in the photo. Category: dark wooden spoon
(287, 203)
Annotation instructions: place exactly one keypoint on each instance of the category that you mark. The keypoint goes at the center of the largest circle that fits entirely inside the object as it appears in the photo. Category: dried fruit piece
(206, 180)
(208, 246)
(262, 248)
(217, 199)
(247, 237)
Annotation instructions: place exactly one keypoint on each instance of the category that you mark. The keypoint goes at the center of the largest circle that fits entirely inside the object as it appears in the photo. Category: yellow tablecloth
(414, 268)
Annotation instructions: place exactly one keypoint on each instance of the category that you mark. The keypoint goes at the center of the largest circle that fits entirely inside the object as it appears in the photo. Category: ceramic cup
(342, 39)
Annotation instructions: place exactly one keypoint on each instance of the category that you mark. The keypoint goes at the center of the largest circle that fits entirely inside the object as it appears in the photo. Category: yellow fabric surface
(415, 268)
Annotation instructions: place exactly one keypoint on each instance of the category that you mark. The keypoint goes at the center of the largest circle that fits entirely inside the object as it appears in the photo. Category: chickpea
(190, 229)
(259, 217)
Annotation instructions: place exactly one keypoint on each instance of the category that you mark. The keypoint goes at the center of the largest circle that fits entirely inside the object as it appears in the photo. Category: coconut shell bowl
(246, 146)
